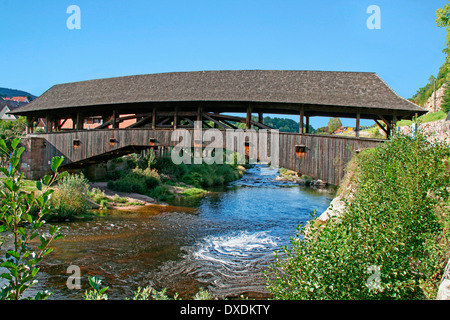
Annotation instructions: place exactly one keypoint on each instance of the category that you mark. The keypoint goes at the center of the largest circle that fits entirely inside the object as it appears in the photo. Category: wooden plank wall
(319, 156)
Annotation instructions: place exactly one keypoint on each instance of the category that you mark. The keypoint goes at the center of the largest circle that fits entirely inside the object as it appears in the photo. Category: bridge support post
(307, 124)
(30, 125)
(302, 115)
(358, 116)
(114, 119)
(154, 118)
(80, 121)
(33, 159)
(394, 121)
(199, 116)
(260, 117)
(249, 117)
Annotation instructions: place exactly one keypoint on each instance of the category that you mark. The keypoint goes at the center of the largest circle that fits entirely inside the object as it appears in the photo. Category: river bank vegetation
(163, 180)
(391, 241)
(156, 179)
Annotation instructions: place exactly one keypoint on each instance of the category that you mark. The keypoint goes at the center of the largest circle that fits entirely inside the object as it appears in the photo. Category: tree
(445, 105)
(443, 21)
(334, 124)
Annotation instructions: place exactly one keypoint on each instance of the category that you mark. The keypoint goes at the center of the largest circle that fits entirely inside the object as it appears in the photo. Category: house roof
(10, 104)
(313, 89)
(18, 99)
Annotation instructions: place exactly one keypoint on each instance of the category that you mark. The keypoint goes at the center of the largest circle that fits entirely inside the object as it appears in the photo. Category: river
(221, 242)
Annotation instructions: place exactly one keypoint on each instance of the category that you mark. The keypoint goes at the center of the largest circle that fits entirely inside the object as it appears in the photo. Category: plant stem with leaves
(21, 214)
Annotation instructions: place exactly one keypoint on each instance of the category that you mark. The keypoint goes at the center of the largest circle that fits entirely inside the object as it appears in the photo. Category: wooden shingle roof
(309, 88)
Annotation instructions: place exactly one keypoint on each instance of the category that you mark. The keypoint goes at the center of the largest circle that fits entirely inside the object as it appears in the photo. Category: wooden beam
(215, 121)
(164, 121)
(29, 125)
(80, 121)
(394, 121)
(114, 119)
(381, 126)
(175, 118)
(260, 117)
(141, 122)
(388, 126)
(307, 125)
(249, 117)
(189, 120)
(302, 113)
(358, 116)
(199, 115)
(61, 124)
(154, 118)
(232, 126)
(104, 125)
(238, 119)
(260, 125)
(227, 117)
(206, 125)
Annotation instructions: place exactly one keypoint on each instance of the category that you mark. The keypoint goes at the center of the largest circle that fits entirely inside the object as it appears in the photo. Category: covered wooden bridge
(92, 121)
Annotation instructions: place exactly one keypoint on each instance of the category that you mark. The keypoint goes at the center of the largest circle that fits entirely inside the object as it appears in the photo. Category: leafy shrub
(97, 195)
(204, 175)
(161, 192)
(20, 261)
(70, 197)
(138, 180)
(119, 199)
(395, 229)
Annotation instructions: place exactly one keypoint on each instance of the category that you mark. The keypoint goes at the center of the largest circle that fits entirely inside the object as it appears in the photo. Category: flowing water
(221, 242)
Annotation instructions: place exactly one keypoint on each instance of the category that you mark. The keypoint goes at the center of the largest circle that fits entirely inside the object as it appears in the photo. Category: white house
(4, 109)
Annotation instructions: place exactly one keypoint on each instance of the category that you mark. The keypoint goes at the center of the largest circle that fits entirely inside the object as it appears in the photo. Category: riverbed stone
(335, 209)
(319, 183)
(444, 288)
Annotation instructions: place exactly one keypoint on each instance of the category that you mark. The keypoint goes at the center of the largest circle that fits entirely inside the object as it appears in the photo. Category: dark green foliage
(9, 130)
(198, 175)
(21, 215)
(153, 176)
(397, 221)
(137, 180)
(446, 100)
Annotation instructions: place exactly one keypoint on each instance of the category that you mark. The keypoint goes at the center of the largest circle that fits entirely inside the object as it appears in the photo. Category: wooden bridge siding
(325, 156)
(94, 143)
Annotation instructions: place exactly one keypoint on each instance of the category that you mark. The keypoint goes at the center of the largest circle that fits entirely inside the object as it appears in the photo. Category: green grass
(429, 117)
(193, 191)
(29, 185)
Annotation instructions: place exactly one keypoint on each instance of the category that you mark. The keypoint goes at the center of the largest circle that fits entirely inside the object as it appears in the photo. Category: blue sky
(119, 38)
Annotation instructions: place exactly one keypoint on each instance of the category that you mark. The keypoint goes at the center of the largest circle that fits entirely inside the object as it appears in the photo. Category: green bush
(162, 193)
(395, 230)
(70, 197)
(97, 195)
(137, 180)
